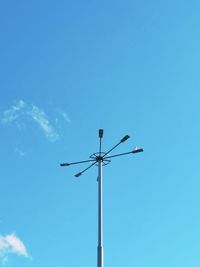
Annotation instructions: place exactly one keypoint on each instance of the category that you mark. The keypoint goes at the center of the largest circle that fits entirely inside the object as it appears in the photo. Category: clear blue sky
(68, 68)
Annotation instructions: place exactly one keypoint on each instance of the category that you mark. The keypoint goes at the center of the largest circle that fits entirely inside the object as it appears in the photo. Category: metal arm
(122, 154)
(121, 141)
(73, 163)
(79, 174)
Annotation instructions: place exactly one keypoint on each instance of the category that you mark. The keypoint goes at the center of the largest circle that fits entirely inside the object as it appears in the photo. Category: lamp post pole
(100, 159)
(100, 217)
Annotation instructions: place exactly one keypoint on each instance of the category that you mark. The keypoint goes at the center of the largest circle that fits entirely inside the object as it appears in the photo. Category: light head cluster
(104, 157)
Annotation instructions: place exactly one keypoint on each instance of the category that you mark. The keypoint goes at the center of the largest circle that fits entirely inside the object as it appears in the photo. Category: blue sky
(69, 68)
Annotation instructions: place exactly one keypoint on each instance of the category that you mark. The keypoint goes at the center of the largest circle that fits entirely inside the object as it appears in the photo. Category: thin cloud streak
(20, 152)
(13, 113)
(41, 119)
(64, 115)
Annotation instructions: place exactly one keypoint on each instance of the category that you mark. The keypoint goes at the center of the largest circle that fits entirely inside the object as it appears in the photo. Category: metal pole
(100, 217)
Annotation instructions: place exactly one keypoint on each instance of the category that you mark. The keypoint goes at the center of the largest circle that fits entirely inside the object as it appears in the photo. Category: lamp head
(124, 138)
(78, 174)
(100, 133)
(137, 150)
(64, 164)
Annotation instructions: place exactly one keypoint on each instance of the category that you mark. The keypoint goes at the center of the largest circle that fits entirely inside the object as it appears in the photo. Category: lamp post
(101, 159)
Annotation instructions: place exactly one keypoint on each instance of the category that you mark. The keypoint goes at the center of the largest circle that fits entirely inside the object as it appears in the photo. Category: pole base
(99, 256)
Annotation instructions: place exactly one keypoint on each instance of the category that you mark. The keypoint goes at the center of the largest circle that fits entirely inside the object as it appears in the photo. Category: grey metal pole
(100, 217)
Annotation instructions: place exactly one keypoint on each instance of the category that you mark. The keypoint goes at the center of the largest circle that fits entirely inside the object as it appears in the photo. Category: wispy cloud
(11, 244)
(64, 115)
(16, 113)
(20, 152)
(42, 120)
(13, 113)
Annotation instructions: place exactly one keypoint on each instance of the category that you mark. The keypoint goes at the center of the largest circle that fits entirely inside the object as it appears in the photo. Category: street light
(101, 159)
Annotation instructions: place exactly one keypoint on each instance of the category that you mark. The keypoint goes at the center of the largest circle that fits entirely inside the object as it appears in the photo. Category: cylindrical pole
(100, 218)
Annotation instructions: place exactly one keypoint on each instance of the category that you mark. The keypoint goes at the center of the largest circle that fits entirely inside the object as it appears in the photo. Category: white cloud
(42, 120)
(11, 244)
(64, 115)
(15, 115)
(16, 245)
